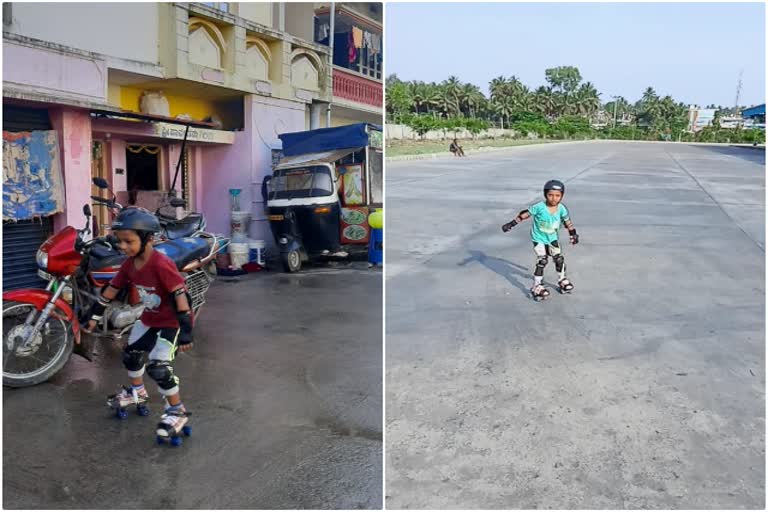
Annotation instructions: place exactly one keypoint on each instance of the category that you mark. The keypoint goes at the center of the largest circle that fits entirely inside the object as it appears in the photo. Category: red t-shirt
(154, 281)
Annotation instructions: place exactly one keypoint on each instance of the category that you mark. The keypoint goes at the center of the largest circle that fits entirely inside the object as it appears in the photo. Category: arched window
(206, 43)
(257, 57)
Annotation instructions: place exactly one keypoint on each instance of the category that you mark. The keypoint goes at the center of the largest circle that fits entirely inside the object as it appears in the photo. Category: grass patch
(424, 147)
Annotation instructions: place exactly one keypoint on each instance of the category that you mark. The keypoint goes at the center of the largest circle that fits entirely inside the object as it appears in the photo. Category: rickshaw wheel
(292, 261)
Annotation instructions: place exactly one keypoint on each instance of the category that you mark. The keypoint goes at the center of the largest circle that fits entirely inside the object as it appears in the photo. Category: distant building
(754, 117)
(731, 122)
(699, 118)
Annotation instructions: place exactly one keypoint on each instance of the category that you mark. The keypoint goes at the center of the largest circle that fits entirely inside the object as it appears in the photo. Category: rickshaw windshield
(312, 181)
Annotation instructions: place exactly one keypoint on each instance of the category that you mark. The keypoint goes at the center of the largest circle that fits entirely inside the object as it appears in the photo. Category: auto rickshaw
(322, 190)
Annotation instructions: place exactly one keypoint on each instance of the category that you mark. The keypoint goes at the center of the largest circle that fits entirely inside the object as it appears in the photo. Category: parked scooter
(41, 326)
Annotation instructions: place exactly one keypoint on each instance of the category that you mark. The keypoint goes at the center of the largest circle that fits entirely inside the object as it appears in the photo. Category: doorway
(101, 215)
(142, 164)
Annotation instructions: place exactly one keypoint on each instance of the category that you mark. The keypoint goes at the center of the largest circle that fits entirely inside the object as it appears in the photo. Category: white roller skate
(566, 286)
(172, 425)
(539, 293)
(126, 398)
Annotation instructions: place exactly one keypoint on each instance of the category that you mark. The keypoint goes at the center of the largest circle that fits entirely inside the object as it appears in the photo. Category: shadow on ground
(517, 275)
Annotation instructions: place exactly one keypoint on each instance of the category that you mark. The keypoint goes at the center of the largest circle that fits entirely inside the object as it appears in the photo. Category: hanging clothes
(323, 30)
(375, 44)
(352, 49)
(357, 37)
(367, 44)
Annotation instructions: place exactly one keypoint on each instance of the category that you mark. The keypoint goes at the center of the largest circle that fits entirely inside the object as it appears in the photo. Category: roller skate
(539, 293)
(566, 286)
(127, 397)
(172, 425)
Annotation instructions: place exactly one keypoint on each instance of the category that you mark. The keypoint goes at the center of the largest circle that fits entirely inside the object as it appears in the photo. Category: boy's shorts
(551, 249)
(160, 342)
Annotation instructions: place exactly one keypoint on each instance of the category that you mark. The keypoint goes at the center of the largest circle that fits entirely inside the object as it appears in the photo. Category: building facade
(112, 80)
(357, 46)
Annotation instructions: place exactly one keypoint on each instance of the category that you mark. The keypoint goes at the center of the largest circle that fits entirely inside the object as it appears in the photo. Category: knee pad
(133, 360)
(162, 373)
(541, 262)
(559, 262)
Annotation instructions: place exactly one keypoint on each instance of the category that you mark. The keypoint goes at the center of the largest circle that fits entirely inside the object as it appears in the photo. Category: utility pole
(615, 109)
(330, 44)
(738, 94)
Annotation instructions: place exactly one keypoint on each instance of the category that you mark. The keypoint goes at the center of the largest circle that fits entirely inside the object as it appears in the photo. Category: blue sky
(693, 52)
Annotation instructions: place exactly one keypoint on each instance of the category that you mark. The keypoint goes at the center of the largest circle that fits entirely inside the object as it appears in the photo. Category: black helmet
(554, 185)
(136, 219)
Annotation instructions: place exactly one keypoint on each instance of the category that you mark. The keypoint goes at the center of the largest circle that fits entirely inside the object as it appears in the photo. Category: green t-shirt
(544, 224)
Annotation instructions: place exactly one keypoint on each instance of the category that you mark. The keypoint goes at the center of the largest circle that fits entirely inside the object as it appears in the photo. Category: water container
(256, 251)
(234, 199)
(239, 225)
(238, 252)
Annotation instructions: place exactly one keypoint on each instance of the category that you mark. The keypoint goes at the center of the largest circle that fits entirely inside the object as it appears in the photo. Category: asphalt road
(645, 388)
(284, 384)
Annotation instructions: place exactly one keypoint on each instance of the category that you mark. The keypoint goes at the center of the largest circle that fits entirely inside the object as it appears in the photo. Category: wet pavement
(284, 384)
(645, 388)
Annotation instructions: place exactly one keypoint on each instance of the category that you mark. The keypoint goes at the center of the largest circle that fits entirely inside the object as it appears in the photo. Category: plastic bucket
(256, 251)
(239, 225)
(376, 247)
(238, 252)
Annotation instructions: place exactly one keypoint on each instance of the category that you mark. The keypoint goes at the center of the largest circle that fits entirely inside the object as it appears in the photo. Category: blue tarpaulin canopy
(326, 139)
(754, 111)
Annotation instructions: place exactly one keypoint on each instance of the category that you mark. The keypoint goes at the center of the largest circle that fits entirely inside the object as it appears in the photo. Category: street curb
(433, 156)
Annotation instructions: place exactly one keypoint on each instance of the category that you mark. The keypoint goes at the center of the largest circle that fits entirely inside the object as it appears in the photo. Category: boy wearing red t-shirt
(165, 325)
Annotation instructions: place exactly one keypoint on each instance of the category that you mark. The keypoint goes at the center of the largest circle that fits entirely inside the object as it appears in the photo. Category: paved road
(285, 387)
(643, 389)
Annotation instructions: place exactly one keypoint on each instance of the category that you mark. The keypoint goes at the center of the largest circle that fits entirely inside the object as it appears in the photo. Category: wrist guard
(185, 327)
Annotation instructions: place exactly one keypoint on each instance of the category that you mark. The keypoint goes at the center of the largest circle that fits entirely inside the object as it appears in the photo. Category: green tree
(399, 98)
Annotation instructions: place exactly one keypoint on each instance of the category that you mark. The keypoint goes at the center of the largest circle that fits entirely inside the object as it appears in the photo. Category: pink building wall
(61, 74)
(74, 128)
(245, 163)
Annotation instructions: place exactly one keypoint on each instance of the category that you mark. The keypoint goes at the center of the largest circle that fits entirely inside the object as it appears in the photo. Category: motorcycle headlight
(42, 260)
(283, 240)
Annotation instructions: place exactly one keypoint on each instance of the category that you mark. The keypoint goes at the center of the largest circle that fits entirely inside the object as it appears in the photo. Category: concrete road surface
(284, 384)
(643, 389)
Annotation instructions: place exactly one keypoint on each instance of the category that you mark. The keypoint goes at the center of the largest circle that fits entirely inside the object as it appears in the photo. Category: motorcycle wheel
(50, 351)
(291, 261)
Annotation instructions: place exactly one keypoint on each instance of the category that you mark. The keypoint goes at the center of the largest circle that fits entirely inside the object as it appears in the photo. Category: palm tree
(471, 97)
(504, 107)
(418, 95)
(587, 100)
(497, 87)
(545, 100)
(432, 98)
(649, 95)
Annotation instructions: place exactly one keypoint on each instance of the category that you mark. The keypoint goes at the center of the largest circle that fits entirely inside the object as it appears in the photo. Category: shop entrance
(142, 164)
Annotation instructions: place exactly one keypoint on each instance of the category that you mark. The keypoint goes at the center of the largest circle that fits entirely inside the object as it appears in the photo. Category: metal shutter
(21, 240)
(25, 119)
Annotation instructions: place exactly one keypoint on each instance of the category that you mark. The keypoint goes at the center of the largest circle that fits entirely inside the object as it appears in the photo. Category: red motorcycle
(41, 326)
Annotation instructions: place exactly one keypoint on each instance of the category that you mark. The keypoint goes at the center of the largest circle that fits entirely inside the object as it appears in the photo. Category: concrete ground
(284, 384)
(643, 389)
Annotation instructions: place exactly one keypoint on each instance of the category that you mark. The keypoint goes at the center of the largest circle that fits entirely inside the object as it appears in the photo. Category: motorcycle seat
(180, 228)
(185, 250)
(101, 257)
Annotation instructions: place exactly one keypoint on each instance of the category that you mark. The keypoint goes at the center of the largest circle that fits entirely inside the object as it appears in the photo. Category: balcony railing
(353, 87)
